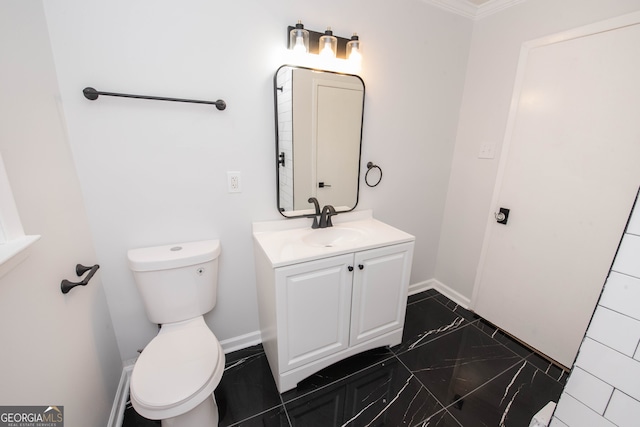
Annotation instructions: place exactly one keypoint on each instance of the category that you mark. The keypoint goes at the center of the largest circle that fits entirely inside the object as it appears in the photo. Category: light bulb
(299, 39)
(299, 46)
(355, 55)
(353, 49)
(328, 44)
(326, 50)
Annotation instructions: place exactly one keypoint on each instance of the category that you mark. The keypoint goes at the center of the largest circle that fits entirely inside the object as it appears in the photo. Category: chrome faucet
(325, 217)
(317, 214)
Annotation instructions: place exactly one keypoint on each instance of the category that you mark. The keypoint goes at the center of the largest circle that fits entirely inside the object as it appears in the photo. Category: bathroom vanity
(327, 294)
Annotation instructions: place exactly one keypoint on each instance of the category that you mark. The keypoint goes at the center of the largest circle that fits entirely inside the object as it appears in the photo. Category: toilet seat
(177, 370)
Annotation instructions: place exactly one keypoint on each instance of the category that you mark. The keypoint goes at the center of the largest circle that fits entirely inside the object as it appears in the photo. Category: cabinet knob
(350, 268)
(360, 266)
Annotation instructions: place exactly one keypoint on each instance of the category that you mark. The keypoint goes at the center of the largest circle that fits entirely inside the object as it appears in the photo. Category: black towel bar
(92, 94)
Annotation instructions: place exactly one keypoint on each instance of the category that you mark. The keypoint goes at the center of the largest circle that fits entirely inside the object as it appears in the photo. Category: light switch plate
(487, 151)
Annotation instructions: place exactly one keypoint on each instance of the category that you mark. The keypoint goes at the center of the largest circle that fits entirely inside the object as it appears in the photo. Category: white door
(56, 349)
(314, 304)
(380, 291)
(569, 173)
(338, 113)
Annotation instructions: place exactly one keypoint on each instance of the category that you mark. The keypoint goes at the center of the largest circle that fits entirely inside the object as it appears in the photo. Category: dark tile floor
(452, 369)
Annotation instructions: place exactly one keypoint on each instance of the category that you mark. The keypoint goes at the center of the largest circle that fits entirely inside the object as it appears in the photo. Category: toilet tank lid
(173, 256)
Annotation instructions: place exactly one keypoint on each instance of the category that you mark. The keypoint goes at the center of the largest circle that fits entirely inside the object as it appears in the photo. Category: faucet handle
(331, 213)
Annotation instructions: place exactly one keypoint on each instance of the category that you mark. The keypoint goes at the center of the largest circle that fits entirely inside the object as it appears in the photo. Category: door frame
(583, 31)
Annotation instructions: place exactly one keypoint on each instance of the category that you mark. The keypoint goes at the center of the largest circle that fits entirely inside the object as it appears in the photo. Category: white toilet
(174, 377)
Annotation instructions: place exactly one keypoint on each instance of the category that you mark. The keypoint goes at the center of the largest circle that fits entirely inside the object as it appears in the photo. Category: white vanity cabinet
(321, 309)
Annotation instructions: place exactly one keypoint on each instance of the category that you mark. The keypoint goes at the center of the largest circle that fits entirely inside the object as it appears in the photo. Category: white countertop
(284, 241)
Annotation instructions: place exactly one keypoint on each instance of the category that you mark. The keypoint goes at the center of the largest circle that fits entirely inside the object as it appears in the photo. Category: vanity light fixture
(299, 38)
(323, 44)
(328, 44)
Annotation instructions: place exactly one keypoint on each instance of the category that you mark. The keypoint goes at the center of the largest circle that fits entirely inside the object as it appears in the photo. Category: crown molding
(470, 10)
(494, 6)
(459, 7)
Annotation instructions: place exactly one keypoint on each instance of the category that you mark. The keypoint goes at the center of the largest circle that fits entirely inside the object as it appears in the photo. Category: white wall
(604, 386)
(154, 173)
(56, 349)
(493, 59)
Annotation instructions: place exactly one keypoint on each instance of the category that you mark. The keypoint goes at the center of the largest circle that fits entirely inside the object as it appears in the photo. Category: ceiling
(473, 9)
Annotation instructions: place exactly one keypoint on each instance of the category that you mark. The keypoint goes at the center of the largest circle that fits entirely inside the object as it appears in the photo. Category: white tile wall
(634, 223)
(623, 410)
(622, 293)
(574, 413)
(590, 390)
(628, 257)
(611, 366)
(615, 330)
(557, 423)
(604, 386)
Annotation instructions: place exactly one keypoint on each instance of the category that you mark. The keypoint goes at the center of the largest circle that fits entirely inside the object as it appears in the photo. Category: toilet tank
(177, 282)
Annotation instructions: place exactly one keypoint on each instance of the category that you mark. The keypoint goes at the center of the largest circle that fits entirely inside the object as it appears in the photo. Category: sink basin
(292, 242)
(333, 236)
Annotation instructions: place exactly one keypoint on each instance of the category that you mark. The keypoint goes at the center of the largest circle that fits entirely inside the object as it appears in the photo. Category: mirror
(318, 138)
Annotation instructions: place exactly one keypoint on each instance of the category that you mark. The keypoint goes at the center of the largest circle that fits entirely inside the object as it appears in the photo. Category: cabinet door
(380, 291)
(314, 306)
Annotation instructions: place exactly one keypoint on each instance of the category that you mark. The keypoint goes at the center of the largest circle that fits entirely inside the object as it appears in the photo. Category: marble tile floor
(452, 369)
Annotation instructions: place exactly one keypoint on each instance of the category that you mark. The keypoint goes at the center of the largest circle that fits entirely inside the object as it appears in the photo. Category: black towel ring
(371, 166)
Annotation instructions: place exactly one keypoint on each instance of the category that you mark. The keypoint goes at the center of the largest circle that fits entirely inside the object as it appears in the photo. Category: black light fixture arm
(92, 94)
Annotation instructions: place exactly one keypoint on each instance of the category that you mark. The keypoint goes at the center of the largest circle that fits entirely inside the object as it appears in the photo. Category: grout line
(285, 410)
(444, 408)
(546, 372)
(488, 381)
(255, 415)
(420, 382)
(421, 299)
(532, 353)
(501, 343)
(452, 416)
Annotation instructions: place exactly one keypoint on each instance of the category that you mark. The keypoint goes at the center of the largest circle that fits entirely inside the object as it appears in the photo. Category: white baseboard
(243, 341)
(120, 401)
(453, 295)
(416, 288)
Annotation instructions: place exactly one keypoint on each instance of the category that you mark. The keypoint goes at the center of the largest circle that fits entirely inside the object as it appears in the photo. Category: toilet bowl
(174, 378)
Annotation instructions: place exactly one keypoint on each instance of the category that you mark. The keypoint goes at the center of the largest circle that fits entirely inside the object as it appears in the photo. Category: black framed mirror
(318, 139)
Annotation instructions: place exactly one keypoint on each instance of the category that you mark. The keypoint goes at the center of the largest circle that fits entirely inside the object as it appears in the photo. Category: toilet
(174, 377)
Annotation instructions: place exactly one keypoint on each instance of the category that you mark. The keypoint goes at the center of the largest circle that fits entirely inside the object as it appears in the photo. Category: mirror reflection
(318, 138)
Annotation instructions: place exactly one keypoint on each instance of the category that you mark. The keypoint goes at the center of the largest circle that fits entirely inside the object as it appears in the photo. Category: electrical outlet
(234, 184)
